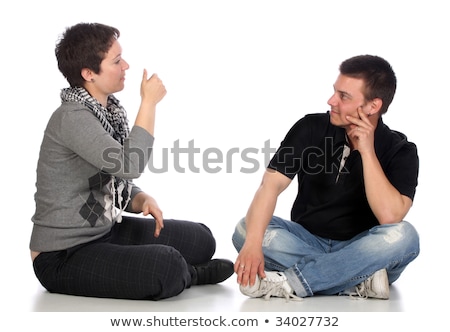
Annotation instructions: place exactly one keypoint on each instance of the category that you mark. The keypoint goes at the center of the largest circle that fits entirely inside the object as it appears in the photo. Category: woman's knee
(204, 236)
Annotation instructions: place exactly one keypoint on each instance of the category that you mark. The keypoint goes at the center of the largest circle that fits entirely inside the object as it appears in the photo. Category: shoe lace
(274, 287)
(362, 290)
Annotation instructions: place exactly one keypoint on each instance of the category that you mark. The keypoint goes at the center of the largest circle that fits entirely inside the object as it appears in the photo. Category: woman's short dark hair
(377, 74)
(83, 45)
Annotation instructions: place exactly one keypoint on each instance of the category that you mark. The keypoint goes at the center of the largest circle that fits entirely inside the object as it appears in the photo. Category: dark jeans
(129, 263)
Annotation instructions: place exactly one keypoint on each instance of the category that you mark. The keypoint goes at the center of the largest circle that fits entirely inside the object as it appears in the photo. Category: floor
(224, 297)
(405, 307)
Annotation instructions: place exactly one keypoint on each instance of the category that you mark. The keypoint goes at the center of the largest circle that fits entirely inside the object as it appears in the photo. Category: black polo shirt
(332, 203)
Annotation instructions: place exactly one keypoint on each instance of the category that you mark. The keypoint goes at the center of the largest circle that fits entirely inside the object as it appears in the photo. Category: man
(356, 183)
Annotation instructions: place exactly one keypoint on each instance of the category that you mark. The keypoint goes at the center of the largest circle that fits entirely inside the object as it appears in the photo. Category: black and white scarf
(114, 120)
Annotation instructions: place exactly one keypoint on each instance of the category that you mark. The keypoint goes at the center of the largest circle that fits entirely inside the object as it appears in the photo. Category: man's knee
(402, 233)
(239, 234)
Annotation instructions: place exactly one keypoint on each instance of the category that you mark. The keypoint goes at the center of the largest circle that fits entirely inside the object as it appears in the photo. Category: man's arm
(250, 260)
(387, 203)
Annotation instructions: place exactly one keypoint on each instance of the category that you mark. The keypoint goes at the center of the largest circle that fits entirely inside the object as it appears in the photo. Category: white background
(238, 73)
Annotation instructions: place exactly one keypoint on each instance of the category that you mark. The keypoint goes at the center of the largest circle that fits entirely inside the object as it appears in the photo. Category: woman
(81, 243)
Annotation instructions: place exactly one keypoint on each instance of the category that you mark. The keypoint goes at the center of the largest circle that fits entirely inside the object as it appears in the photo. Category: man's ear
(375, 106)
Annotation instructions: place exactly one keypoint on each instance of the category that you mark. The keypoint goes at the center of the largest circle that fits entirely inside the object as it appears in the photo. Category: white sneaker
(376, 286)
(274, 284)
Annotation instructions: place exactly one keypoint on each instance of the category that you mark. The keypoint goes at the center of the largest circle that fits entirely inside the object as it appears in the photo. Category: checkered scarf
(114, 120)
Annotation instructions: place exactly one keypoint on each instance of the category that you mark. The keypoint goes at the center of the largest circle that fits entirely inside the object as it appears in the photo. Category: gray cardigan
(74, 187)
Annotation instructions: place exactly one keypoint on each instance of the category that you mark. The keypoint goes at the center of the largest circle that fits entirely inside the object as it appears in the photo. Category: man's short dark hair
(378, 75)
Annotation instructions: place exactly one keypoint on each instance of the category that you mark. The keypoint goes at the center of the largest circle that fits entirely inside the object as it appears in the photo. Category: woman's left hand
(147, 205)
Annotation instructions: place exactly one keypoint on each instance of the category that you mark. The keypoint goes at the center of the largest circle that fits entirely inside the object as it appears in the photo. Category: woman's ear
(87, 74)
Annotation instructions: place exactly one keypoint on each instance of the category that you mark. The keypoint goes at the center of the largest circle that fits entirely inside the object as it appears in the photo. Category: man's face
(346, 99)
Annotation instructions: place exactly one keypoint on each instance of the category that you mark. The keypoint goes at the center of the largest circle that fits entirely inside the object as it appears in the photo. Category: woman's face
(111, 77)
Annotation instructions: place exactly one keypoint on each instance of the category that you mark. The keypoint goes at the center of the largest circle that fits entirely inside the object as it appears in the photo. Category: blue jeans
(316, 265)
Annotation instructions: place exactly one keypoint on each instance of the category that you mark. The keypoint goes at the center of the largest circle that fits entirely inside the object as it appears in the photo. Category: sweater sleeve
(85, 136)
(134, 191)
